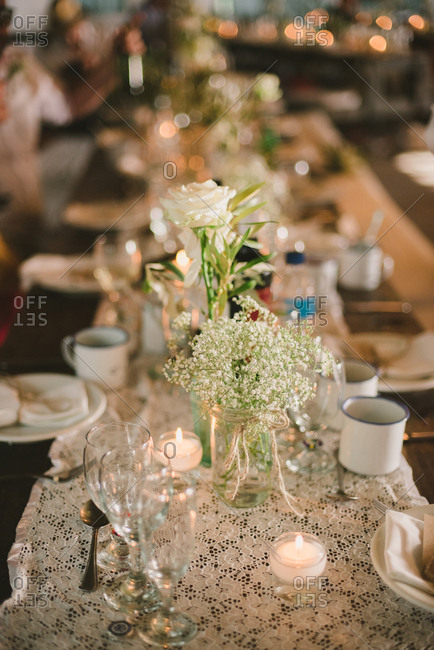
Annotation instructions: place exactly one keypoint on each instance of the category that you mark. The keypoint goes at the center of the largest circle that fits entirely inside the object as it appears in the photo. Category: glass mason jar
(202, 426)
(243, 482)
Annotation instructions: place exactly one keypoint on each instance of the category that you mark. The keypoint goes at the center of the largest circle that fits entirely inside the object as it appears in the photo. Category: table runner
(228, 587)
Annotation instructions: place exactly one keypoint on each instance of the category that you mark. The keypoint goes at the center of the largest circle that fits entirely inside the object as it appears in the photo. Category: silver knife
(419, 436)
(377, 306)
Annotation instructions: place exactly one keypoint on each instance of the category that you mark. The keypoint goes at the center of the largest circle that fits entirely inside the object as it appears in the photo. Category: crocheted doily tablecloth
(228, 587)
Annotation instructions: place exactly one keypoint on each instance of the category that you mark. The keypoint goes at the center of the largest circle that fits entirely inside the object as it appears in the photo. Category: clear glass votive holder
(182, 448)
(297, 562)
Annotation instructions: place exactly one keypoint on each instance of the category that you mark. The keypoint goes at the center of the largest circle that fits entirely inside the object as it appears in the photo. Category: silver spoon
(340, 493)
(91, 515)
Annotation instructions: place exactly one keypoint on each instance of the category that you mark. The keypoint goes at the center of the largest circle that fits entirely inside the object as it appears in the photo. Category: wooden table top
(36, 348)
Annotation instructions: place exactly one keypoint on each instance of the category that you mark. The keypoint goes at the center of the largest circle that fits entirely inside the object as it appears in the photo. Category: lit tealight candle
(182, 261)
(182, 448)
(298, 561)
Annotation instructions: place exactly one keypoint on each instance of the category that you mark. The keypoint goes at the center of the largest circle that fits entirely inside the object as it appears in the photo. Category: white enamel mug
(372, 435)
(98, 353)
(361, 378)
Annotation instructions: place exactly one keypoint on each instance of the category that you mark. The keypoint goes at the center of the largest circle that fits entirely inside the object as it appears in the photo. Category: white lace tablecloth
(228, 587)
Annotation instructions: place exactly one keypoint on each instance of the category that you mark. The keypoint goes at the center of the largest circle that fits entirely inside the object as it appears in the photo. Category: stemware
(99, 440)
(122, 473)
(315, 416)
(167, 551)
(118, 266)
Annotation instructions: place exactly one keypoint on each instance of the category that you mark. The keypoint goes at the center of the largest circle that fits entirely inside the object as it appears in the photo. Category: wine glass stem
(166, 595)
(136, 570)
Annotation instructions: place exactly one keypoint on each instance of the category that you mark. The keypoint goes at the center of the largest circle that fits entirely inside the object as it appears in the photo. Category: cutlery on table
(60, 477)
(377, 306)
(419, 436)
(92, 516)
(381, 507)
(340, 493)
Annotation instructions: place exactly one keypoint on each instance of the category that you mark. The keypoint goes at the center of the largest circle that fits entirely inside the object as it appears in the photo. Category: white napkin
(403, 550)
(9, 405)
(56, 407)
(418, 360)
(40, 267)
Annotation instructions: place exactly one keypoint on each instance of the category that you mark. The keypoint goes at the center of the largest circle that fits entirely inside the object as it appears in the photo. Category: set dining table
(228, 588)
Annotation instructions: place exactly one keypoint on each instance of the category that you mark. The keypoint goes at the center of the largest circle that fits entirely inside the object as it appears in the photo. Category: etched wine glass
(122, 474)
(99, 440)
(167, 551)
(315, 416)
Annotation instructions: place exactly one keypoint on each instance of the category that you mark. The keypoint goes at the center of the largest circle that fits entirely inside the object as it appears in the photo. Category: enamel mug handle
(67, 349)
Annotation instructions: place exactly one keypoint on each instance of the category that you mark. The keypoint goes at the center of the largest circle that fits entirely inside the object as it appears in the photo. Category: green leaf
(146, 287)
(257, 260)
(174, 269)
(246, 286)
(222, 302)
(248, 191)
(256, 228)
(253, 244)
(244, 212)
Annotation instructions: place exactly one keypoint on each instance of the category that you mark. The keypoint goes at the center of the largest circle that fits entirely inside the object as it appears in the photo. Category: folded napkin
(59, 406)
(417, 361)
(428, 548)
(58, 271)
(9, 405)
(403, 550)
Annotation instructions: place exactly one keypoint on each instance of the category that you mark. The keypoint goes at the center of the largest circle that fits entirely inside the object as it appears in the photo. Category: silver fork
(60, 477)
(381, 507)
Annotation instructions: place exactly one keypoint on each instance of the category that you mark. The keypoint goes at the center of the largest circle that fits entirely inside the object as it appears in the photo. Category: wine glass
(167, 551)
(118, 267)
(122, 472)
(99, 440)
(315, 416)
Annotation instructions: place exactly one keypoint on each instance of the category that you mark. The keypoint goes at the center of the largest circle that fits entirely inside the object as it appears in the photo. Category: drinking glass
(122, 473)
(118, 266)
(167, 551)
(118, 260)
(315, 416)
(99, 440)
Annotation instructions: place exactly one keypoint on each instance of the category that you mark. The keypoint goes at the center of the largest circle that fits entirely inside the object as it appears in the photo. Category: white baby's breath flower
(249, 361)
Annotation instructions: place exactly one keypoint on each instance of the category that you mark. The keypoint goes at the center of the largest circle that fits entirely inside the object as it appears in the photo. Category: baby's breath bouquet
(249, 364)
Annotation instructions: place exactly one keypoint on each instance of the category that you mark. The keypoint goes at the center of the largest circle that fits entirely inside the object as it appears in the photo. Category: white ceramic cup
(363, 267)
(98, 353)
(372, 435)
(361, 378)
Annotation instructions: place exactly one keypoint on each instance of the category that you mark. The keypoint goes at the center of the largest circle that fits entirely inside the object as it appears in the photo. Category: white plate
(124, 214)
(412, 594)
(36, 382)
(388, 346)
(388, 385)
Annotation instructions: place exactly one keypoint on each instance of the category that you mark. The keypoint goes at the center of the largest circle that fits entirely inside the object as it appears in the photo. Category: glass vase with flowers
(247, 368)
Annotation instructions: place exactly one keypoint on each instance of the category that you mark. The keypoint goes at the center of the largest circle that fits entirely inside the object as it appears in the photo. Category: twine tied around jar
(239, 443)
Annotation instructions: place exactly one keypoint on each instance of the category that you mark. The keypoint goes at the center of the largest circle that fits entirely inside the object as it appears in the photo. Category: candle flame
(179, 434)
(182, 260)
(298, 542)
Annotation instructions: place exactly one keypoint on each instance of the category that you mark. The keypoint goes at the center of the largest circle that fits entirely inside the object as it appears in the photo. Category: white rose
(199, 204)
(194, 252)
